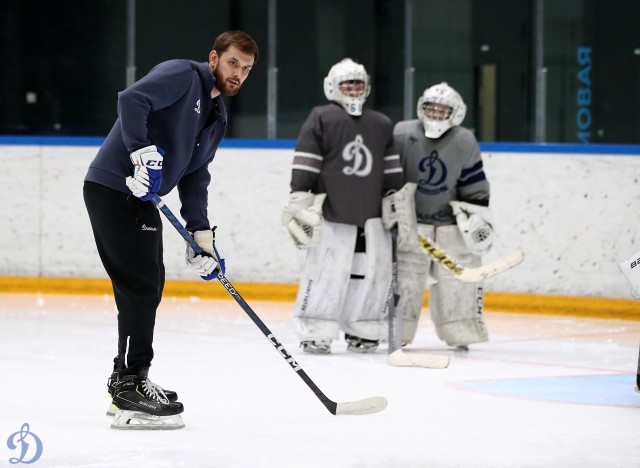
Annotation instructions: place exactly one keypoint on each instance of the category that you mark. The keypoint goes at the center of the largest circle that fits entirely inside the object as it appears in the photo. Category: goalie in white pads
(344, 162)
(443, 167)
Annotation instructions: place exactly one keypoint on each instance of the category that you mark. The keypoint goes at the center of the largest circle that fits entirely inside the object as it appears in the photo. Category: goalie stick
(397, 357)
(468, 274)
(364, 406)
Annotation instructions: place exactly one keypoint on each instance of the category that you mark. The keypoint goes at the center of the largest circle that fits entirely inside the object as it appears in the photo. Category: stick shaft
(396, 318)
(397, 357)
(440, 256)
(329, 404)
(470, 274)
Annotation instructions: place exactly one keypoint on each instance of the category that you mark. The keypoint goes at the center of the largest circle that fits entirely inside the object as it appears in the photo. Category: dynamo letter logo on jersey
(357, 152)
(433, 172)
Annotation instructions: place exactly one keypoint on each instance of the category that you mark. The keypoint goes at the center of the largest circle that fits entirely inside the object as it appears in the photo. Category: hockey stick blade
(365, 406)
(431, 361)
(469, 274)
(473, 275)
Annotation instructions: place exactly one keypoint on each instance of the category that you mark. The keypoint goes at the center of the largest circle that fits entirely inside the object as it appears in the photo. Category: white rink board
(574, 215)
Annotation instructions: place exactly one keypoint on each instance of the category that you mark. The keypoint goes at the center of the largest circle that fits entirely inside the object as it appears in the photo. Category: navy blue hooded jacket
(171, 107)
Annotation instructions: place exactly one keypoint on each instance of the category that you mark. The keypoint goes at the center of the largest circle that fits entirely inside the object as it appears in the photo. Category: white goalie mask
(432, 109)
(355, 89)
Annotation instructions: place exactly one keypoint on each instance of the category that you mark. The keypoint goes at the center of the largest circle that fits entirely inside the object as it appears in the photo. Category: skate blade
(354, 349)
(111, 410)
(139, 421)
(316, 351)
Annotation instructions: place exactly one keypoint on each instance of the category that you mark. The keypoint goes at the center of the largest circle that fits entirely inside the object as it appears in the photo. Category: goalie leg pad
(456, 307)
(413, 273)
(324, 283)
(364, 313)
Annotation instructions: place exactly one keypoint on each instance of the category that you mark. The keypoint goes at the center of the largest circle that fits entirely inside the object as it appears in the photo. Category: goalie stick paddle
(468, 274)
(364, 406)
(397, 357)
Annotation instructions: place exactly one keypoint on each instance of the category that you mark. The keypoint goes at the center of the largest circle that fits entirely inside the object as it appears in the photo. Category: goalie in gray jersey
(344, 162)
(443, 168)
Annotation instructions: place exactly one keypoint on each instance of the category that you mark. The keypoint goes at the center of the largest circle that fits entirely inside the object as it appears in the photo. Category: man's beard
(221, 84)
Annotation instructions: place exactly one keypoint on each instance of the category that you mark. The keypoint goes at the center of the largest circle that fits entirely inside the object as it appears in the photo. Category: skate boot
(316, 346)
(111, 385)
(356, 344)
(141, 404)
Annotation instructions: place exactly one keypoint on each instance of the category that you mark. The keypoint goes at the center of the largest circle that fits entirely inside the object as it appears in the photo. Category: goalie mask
(439, 109)
(348, 84)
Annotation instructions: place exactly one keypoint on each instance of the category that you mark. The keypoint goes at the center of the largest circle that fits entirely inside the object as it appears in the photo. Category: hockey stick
(364, 406)
(397, 357)
(638, 375)
(468, 274)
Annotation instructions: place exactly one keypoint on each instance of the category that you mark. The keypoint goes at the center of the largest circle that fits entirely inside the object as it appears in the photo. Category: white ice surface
(245, 407)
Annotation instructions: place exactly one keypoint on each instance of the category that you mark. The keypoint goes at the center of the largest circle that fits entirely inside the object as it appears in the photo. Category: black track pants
(128, 234)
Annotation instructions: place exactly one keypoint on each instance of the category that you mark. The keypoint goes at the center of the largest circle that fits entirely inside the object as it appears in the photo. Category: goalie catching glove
(302, 218)
(209, 263)
(147, 172)
(476, 225)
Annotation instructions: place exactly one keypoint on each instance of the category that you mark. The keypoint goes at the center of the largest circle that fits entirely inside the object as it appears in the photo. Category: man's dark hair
(241, 40)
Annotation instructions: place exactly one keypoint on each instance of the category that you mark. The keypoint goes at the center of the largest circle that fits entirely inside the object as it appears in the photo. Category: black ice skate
(111, 385)
(356, 344)
(140, 404)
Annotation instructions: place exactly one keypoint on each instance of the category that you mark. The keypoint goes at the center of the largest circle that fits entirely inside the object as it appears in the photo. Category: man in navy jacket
(169, 126)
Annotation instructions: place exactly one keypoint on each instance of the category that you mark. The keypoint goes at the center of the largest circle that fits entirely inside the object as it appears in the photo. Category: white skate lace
(154, 392)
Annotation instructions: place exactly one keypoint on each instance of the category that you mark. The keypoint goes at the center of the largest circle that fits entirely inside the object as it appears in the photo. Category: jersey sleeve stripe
(392, 164)
(307, 162)
(472, 180)
(301, 167)
(307, 155)
(470, 170)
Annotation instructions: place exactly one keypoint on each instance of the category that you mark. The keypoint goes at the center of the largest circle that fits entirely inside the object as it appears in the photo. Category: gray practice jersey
(444, 169)
(351, 159)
